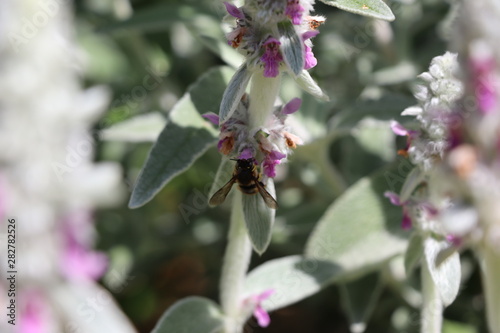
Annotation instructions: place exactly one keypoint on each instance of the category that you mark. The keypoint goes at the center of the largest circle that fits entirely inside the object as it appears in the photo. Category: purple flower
(310, 60)
(78, 262)
(393, 197)
(272, 159)
(455, 240)
(33, 316)
(276, 155)
(271, 57)
(259, 313)
(484, 82)
(246, 154)
(399, 129)
(294, 11)
(406, 222)
(212, 117)
(292, 106)
(234, 11)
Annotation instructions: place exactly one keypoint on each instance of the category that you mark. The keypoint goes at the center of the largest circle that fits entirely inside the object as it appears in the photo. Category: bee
(246, 175)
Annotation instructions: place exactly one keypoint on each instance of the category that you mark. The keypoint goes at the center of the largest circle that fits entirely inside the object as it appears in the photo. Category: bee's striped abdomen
(248, 188)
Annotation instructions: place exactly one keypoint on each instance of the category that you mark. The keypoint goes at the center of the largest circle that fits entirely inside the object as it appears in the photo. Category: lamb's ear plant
(451, 198)
(274, 38)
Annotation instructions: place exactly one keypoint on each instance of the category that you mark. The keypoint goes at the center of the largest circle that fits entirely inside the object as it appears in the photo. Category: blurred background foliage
(173, 246)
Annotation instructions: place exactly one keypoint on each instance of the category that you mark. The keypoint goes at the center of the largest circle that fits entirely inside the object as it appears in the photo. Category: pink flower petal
(233, 10)
(262, 316)
(406, 223)
(455, 240)
(294, 11)
(212, 117)
(399, 129)
(309, 34)
(246, 154)
(310, 59)
(276, 155)
(81, 264)
(393, 197)
(271, 57)
(33, 317)
(292, 106)
(265, 294)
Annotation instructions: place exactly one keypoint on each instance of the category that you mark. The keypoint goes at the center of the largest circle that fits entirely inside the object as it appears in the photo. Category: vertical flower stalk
(49, 183)
(275, 38)
(490, 269)
(474, 157)
(432, 306)
(427, 144)
(263, 94)
(465, 176)
(236, 261)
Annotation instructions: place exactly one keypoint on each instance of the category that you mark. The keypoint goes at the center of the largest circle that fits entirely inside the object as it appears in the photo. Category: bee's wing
(221, 194)
(268, 198)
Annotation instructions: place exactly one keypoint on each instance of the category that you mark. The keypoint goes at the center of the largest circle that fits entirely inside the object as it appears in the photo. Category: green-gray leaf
(233, 93)
(372, 8)
(446, 276)
(359, 299)
(376, 137)
(414, 178)
(146, 127)
(291, 47)
(109, 318)
(307, 83)
(156, 18)
(360, 230)
(259, 218)
(185, 137)
(293, 278)
(413, 253)
(207, 92)
(191, 315)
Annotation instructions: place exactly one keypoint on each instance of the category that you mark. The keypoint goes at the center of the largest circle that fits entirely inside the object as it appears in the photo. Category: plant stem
(432, 307)
(491, 284)
(236, 261)
(263, 93)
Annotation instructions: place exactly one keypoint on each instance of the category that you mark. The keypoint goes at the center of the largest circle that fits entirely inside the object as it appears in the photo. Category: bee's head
(246, 164)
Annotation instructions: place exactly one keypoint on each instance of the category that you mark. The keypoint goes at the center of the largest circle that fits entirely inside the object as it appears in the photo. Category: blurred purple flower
(292, 106)
(259, 313)
(212, 117)
(33, 316)
(246, 154)
(310, 59)
(233, 10)
(78, 262)
(406, 222)
(271, 160)
(484, 82)
(294, 11)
